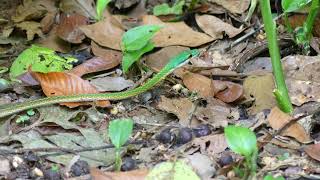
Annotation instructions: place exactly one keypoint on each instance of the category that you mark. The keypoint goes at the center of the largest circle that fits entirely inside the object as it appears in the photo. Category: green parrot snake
(174, 63)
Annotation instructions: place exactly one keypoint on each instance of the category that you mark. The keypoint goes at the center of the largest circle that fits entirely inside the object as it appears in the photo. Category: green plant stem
(118, 160)
(281, 91)
(308, 26)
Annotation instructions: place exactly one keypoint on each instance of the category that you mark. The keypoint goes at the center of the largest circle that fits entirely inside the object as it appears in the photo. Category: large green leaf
(293, 5)
(101, 6)
(138, 37)
(119, 131)
(132, 56)
(40, 59)
(241, 140)
(165, 9)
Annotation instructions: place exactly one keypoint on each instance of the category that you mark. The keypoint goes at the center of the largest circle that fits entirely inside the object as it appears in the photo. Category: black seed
(165, 136)
(128, 164)
(201, 130)
(184, 136)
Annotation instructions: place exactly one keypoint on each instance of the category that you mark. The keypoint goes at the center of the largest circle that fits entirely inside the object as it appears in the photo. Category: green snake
(173, 64)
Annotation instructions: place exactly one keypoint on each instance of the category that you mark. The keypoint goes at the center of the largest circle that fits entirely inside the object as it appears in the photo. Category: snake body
(174, 63)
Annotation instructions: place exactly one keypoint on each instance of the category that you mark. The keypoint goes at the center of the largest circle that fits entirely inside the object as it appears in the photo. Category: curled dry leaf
(106, 33)
(215, 27)
(231, 93)
(61, 84)
(313, 151)
(68, 29)
(278, 119)
(181, 107)
(175, 33)
(94, 64)
(199, 83)
(139, 174)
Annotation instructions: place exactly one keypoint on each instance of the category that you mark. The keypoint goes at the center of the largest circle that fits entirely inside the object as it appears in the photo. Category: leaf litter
(201, 97)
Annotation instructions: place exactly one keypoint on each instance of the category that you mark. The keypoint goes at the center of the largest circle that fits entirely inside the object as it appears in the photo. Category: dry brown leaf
(156, 61)
(47, 22)
(109, 54)
(106, 33)
(94, 64)
(53, 42)
(212, 144)
(199, 83)
(231, 93)
(181, 107)
(313, 151)
(215, 27)
(61, 84)
(68, 29)
(234, 6)
(139, 174)
(278, 119)
(260, 88)
(83, 7)
(176, 33)
(32, 28)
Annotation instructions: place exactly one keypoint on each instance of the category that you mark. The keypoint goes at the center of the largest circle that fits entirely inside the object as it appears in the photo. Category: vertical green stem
(118, 160)
(281, 91)
(308, 26)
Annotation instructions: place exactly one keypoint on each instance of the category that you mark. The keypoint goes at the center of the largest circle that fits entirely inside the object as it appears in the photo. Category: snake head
(182, 58)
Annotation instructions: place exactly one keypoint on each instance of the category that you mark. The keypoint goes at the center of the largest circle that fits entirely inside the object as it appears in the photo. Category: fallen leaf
(47, 22)
(231, 93)
(212, 144)
(277, 119)
(109, 34)
(202, 164)
(234, 6)
(53, 42)
(111, 83)
(181, 107)
(313, 151)
(68, 29)
(62, 84)
(260, 88)
(199, 83)
(171, 34)
(33, 9)
(94, 64)
(32, 28)
(156, 61)
(215, 27)
(139, 174)
(216, 113)
(83, 7)
(302, 78)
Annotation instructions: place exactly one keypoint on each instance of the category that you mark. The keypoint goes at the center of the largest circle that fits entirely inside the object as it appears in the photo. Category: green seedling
(25, 118)
(135, 42)
(281, 91)
(302, 35)
(101, 6)
(165, 9)
(119, 132)
(243, 141)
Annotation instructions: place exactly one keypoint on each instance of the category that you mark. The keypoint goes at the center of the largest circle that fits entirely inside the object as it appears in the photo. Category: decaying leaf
(231, 93)
(181, 107)
(68, 29)
(171, 34)
(83, 7)
(107, 83)
(215, 27)
(61, 83)
(212, 144)
(199, 83)
(32, 28)
(260, 88)
(139, 174)
(234, 6)
(277, 119)
(313, 151)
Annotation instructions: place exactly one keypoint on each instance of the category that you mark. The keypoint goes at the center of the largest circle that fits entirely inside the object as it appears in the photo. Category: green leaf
(132, 56)
(241, 140)
(22, 119)
(165, 9)
(31, 112)
(120, 131)
(101, 6)
(136, 38)
(40, 59)
(270, 177)
(293, 5)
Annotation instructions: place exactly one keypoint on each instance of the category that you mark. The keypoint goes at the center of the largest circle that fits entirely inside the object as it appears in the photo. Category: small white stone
(37, 172)
(177, 87)
(16, 161)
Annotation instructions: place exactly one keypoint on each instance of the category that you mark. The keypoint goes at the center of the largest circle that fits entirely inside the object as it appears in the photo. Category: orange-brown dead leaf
(139, 174)
(199, 83)
(230, 93)
(313, 151)
(279, 119)
(62, 84)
